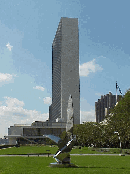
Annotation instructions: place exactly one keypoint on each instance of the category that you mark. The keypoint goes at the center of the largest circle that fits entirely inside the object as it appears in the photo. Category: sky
(27, 30)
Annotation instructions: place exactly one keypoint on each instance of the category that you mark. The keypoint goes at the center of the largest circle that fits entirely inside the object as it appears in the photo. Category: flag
(117, 87)
(120, 90)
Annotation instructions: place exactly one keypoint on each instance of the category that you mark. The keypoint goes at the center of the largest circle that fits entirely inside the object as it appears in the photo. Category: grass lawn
(87, 164)
(53, 150)
(28, 149)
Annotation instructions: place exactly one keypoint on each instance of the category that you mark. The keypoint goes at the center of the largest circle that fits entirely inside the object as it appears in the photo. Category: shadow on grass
(101, 167)
(76, 166)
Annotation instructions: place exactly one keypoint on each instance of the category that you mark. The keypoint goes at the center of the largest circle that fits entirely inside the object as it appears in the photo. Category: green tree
(102, 135)
(119, 120)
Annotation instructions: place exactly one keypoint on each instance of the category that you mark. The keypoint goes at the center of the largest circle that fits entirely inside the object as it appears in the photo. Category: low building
(34, 133)
(4, 141)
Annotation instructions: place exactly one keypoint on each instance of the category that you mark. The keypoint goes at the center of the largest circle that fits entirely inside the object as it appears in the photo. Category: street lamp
(120, 141)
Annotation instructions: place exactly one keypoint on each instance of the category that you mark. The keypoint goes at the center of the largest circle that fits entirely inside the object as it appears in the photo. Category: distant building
(103, 105)
(65, 70)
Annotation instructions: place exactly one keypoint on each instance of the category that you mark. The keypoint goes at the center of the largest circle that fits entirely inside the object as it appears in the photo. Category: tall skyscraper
(65, 70)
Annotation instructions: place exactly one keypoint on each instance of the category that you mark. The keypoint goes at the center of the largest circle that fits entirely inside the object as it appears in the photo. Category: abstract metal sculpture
(62, 156)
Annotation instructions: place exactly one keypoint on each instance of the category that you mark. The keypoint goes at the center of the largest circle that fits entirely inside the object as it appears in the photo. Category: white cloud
(84, 105)
(13, 102)
(5, 77)
(101, 57)
(87, 111)
(87, 116)
(9, 46)
(14, 107)
(99, 94)
(14, 113)
(47, 100)
(39, 88)
(89, 67)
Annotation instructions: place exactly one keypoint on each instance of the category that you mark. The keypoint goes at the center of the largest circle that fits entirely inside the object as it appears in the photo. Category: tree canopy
(102, 135)
(119, 119)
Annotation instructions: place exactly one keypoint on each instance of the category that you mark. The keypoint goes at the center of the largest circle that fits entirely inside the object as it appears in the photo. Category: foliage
(49, 141)
(63, 135)
(119, 120)
(102, 135)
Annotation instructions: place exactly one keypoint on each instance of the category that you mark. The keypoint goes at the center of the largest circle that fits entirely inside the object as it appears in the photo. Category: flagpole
(116, 92)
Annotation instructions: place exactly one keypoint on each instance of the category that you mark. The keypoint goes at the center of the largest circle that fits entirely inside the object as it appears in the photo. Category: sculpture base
(60, 165)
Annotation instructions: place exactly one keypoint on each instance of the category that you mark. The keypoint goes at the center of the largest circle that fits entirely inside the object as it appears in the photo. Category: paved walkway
(97, 154)
(70, 154)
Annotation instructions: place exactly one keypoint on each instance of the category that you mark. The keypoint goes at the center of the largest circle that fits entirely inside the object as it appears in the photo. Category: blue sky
(26, 68)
